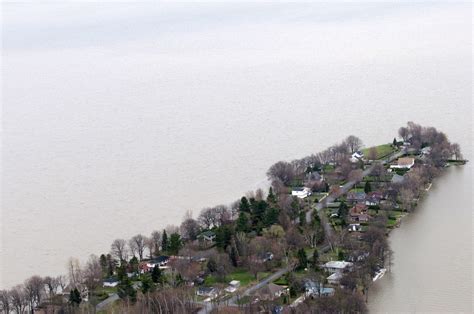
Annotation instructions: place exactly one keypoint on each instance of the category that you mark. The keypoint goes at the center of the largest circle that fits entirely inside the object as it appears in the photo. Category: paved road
(111, 299)
(329, 231)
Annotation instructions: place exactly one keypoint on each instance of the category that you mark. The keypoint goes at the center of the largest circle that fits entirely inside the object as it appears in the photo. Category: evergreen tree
(233, 255)
(111, 265)
(271, 216)
(156, 274)
(212, 265)
(103, 263)
(343, 211)
(125, 290)
(223, 236)
(394, 143)
(315, 261)
(122, 271)
(242, 224)
(367, 187)
(133, 265)
(340, 255)
(302, 216)
(244, 205)
(302, 259)
(75, 297)
(147, 284)
(164, 241)
(175, 244)
(271, 198)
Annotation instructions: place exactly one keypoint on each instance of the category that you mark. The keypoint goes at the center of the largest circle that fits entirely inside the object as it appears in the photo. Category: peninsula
(314, 242)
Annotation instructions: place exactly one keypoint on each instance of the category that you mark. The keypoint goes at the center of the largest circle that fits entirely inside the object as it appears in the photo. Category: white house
(354, 227)
(404, 163)
(110, 282)
(334, 278)
(233, 286)
(357, 156)
(301, 192)
(337, 266)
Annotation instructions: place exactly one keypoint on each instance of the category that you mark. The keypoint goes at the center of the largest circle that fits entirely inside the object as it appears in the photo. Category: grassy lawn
(240, 274)
(382, 150)
(210, 280)
(391, 223)
(281, 281)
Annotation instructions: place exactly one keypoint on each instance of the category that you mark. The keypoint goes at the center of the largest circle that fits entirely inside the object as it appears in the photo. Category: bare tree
(372, 154)
(378, 171)
(189, 228)
(52, 284)
(74, 272)
(156, 239)
(282, 171)
(34, 289)
(92, 273)
(208, 218)
(119, 250)
(354, 143)
(456, 151)
(355, 175)
(18, 298)
(403, 133)
(150, 245)
(5, 301)
(137, 245)
(62, 282)
(407, 198)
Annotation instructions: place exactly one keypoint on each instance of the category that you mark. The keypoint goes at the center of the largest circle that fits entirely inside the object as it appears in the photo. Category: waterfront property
(302, 192)
(337, 266)
(404, 163)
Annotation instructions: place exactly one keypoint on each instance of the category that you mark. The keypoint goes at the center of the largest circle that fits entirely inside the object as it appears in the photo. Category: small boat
(379, 274)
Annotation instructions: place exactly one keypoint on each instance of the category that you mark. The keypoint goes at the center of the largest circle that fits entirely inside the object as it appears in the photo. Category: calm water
(433, 253)
(107, 136)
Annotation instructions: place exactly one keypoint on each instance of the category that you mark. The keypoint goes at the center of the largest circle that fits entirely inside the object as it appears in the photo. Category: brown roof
(405, 161)
(358, 209)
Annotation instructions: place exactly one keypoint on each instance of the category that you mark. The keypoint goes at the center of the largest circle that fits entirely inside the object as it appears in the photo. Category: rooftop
(338, 264)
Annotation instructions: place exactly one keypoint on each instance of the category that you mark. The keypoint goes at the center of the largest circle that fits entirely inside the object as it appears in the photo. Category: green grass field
(241, 275)
(382, 151)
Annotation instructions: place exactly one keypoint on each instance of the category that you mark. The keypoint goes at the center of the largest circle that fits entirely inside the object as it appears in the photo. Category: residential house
(209, 292)
(316, 289)
(207, 236)
(373, 198)
(266, 257)
(355, 157)
(335, 278)
(233, 286)
(337, 266)
(355, 197)
(270, 292)
(358, 213)
(160, 261)
(301, 192)
(404, 163)
(426, 151)
(110, 282)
